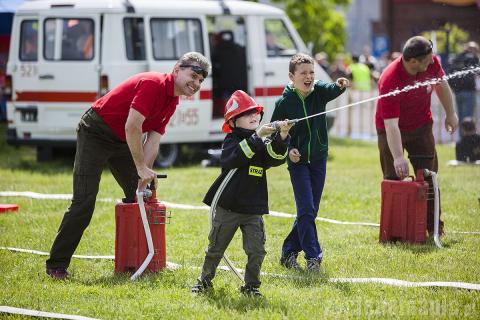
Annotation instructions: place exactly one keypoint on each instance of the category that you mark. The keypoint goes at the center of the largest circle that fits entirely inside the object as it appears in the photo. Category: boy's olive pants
(225, 224)
(97, 146)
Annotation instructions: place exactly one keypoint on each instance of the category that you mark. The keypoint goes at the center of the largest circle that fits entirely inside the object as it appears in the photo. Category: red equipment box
(404, 210)
(4, 208)
(130, 241)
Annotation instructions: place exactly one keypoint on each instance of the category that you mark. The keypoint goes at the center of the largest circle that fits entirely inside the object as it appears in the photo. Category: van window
(174, 37)
(279, 42)
(29, 40)
(68, 39)
(134, 31)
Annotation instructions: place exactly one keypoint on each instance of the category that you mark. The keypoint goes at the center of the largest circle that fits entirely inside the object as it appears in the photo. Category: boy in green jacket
(307, 157)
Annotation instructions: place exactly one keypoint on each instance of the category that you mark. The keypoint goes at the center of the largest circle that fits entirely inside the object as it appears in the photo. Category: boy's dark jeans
(97, 146)
(418, 142)
(225, 224)
(308, 180)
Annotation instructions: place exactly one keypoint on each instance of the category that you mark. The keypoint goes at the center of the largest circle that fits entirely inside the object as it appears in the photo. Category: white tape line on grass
(387, 281)
(43, 314)
(45, 196)
(36, 195)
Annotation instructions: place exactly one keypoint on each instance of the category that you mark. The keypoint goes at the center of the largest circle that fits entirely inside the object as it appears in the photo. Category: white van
(64, 54)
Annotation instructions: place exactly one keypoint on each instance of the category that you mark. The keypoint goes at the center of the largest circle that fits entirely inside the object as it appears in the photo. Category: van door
(170, 39)
(68, 72)
(278, 47)
(23, 68)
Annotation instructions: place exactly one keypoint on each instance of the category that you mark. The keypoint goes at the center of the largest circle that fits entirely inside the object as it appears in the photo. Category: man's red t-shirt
(150, 93)
(412, 107)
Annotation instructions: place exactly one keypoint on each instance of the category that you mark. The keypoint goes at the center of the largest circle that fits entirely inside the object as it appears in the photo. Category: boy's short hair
(297, 59)
(195, 57)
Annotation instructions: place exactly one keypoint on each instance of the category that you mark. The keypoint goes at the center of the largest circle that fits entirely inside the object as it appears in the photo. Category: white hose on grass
(42, 314)
(43, 196)
(386, 281)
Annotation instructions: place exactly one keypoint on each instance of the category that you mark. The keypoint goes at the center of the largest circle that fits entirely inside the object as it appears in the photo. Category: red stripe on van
(268, 91)
(205, 94)
(55, 96)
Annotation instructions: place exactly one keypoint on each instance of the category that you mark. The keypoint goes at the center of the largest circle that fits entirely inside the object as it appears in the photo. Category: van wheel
(167, 155)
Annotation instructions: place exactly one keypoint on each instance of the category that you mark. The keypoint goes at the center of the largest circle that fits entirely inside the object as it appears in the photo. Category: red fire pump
(404, 209)
(140, 245)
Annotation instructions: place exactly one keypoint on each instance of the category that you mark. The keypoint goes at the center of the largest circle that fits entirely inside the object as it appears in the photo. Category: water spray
(429, 82)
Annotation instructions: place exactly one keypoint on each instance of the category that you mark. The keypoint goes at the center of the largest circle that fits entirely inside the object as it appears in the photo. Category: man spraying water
(404, 120)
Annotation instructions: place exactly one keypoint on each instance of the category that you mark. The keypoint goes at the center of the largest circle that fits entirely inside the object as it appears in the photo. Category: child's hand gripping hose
(276, 124)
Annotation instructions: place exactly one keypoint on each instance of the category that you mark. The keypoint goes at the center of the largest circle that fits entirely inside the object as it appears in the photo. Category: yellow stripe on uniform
(246, 149)
(275, 155)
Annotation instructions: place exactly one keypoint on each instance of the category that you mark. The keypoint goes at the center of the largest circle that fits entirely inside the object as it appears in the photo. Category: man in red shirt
(110, 133)
(404, 121)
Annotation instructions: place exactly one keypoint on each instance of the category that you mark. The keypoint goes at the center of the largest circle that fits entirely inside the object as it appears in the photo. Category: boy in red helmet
(251, 150)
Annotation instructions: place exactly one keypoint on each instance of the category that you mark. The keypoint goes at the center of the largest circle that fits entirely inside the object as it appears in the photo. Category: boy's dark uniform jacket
(308, 136)
(246, 192)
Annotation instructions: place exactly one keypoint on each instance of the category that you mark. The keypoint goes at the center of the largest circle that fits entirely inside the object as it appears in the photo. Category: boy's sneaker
(313, 264)
(250, 291)
(202, 286)
(290, 261)
(58, 273)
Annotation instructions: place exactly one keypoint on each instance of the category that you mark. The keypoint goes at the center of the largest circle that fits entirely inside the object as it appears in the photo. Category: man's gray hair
(195, 57)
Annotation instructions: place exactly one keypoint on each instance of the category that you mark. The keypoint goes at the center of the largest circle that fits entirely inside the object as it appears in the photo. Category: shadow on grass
(428, 247)
(222, 298)
(304, 279)
(148, 280)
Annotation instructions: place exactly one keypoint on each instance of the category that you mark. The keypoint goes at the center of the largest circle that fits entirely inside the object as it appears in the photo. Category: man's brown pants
(420, 145)
(97, 146)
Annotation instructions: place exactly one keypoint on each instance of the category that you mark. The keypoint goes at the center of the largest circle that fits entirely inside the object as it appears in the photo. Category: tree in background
(318, 22)
(457, 37)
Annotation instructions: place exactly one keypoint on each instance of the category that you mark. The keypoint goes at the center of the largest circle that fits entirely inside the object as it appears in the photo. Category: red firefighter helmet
(238, 103)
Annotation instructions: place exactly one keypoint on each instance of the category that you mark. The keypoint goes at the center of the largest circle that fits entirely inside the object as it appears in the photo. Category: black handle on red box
(159, 176)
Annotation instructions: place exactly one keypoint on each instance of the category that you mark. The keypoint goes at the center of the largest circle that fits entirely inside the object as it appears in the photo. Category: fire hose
(436, 208)
(148, 234)
(213, 208)
(429, 82)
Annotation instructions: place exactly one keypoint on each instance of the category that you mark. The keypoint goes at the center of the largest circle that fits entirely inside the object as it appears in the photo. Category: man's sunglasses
(196, 69)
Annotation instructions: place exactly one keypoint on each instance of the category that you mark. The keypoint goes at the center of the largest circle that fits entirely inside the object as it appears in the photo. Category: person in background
(361, 75)
(339, 69)
(404, 121)
(322, 60)
(371, 62)
(468, 148)
(464, 86)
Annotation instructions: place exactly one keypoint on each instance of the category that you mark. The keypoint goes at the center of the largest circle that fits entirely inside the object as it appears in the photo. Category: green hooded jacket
(308, 136)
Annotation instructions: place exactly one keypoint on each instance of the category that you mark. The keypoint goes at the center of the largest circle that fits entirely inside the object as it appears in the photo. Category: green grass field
(352, 193)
